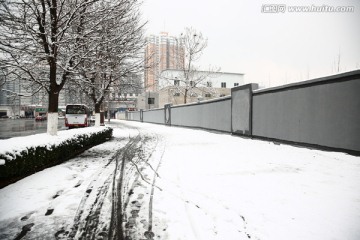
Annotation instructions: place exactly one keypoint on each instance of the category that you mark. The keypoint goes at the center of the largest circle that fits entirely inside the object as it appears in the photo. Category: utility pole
(108, 108)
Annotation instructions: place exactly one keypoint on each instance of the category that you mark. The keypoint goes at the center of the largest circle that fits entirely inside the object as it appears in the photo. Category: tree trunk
(185, 96)
(54, 91)
(52, 122)
(97, 115)
(97, 107)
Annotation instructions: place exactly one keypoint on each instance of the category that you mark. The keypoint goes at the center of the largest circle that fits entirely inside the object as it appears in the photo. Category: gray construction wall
(154, 116)
(325, 113)
(241, 107)
(120, 115)
(134, 116)
(214, 114)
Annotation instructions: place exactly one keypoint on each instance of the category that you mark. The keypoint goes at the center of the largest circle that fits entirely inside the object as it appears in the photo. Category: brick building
(162, 52)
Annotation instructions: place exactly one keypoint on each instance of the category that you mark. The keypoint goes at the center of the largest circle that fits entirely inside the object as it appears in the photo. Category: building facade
(202, 85)
(21, 98)
(161, 52)
(124, 96)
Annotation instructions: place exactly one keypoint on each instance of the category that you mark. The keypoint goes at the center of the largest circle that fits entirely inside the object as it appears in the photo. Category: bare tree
(337, 63)
(191, 81)
(117, 51)
(39, 43)
(49, 43)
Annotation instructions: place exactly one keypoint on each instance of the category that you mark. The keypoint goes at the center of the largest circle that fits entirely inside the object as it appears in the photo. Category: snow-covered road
(187, 184)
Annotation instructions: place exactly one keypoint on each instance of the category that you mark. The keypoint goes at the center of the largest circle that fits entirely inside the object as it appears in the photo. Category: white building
(202, 85)
(202, 78)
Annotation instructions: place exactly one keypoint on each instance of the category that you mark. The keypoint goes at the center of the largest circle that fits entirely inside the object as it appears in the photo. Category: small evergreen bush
(35, 159)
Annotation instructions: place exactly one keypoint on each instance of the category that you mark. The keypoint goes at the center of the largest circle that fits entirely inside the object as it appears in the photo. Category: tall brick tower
(162, 52)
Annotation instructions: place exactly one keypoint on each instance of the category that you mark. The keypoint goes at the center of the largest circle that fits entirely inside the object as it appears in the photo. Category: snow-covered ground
(16, 145)
(189, 184)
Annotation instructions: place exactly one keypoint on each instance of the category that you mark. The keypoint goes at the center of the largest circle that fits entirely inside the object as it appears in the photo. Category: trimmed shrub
(35, 159)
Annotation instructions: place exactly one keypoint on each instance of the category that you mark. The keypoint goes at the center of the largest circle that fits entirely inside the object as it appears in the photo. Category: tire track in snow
(149, 234)
(116, 230)
(133, 172)
(87, 217)
(124, 172)
(136, 173)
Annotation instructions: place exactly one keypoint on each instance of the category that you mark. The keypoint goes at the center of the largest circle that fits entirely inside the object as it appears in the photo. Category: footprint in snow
(49, 211)
(26, 217)
(78, 184)
(24, 231)
(136, 204)
(58, 194)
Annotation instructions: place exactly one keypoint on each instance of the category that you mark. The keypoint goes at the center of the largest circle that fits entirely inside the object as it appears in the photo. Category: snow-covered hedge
(25, 155)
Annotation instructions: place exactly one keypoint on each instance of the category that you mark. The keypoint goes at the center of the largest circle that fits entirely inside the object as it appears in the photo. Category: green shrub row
(38, 158)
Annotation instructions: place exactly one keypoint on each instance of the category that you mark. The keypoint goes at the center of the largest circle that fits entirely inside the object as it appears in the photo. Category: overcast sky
(269, 48)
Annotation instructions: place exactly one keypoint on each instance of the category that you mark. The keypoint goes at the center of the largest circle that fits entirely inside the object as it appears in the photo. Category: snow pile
(14, 146)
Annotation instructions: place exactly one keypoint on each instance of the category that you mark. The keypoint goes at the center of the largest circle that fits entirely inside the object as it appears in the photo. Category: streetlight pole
(108, 107)
(19, 100)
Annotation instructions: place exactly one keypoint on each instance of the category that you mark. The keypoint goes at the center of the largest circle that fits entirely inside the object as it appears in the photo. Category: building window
(209, 84)
(151, 100)
(236, 84)
(223, 85)
(192, 83)
(207, 95)
(177, 82)
(177, 94)
(222, 95)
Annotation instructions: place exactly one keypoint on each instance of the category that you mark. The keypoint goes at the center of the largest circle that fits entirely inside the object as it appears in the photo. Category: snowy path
(216, 186)
(187, 184)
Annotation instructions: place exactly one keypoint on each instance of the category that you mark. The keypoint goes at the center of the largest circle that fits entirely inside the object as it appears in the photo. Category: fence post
(167, 114)
(241, 109)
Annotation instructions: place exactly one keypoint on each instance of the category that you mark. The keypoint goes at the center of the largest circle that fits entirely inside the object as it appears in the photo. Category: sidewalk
(189, 184)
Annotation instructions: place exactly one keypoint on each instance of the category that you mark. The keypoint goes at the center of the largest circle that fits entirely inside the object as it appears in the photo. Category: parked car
(40, 118)
(14, 117)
